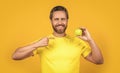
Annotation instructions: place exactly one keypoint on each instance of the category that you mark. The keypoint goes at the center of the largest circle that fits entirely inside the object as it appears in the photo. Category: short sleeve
(37, 51)
(85, 48)
(86, 51)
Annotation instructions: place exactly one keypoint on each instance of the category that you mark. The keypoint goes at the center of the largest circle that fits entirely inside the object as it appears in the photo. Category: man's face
(59, 22)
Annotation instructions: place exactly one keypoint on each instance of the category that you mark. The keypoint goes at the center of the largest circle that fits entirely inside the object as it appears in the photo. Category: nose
(60, 21)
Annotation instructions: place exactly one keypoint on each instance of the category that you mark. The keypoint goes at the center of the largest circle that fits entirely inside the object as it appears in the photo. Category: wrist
(90, 40)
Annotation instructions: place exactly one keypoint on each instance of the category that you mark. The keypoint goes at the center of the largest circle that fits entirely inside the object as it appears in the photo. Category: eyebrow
(59, 18)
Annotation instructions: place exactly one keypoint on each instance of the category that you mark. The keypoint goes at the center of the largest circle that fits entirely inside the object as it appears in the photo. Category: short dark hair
(58, 8)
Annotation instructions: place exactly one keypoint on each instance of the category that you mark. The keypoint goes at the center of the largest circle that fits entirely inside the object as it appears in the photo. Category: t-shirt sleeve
(37, 51)
(85, 48)
(86, 51)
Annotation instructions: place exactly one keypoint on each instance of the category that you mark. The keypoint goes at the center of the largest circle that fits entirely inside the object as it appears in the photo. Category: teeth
(60, 26)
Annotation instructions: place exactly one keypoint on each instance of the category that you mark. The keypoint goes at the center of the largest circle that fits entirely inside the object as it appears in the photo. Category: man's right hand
(43, 42)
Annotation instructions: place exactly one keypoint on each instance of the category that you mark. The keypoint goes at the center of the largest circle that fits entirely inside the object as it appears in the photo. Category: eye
(56, 19)
(63, 18)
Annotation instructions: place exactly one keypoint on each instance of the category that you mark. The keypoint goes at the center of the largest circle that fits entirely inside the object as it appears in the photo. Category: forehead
(59, 14)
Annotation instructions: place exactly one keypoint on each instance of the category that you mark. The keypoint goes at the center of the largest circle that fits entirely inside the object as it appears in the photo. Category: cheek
(53, 22)
(65, 23)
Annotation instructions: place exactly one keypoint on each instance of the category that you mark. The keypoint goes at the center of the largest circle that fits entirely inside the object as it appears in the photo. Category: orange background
(24, 21)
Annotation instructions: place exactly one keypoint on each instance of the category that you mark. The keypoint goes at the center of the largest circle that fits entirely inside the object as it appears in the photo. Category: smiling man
(59, 52)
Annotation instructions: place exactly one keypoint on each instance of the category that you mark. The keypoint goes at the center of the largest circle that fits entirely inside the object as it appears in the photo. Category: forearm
(96, 53)
(24, 52)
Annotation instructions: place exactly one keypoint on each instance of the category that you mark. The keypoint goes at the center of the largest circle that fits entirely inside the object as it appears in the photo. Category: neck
(59, 35)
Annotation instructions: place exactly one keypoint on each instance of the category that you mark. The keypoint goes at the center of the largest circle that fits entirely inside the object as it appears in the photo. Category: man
(59, 52)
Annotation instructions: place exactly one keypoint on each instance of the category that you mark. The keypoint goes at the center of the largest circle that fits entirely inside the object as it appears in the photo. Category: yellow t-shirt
(62, 55)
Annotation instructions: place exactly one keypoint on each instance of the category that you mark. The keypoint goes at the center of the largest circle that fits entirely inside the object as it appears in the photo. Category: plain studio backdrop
(25, 21)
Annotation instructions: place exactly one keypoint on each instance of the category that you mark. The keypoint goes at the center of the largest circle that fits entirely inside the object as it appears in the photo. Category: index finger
(51, 38)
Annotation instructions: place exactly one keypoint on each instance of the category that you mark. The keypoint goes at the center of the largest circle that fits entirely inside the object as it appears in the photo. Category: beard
(59, 31)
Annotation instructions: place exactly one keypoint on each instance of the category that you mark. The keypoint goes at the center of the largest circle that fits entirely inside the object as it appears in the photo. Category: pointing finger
(51, 38)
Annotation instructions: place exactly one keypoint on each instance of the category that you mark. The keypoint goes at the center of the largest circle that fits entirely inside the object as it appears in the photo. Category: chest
(61, 51)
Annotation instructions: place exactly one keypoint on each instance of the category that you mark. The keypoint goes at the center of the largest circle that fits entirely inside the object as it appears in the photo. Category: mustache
(60, 25)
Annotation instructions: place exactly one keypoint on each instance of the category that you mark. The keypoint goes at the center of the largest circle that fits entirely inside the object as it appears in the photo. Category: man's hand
(85, 34)
(43, 42)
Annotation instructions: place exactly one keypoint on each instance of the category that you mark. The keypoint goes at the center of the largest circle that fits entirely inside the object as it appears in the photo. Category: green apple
(78, 32)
